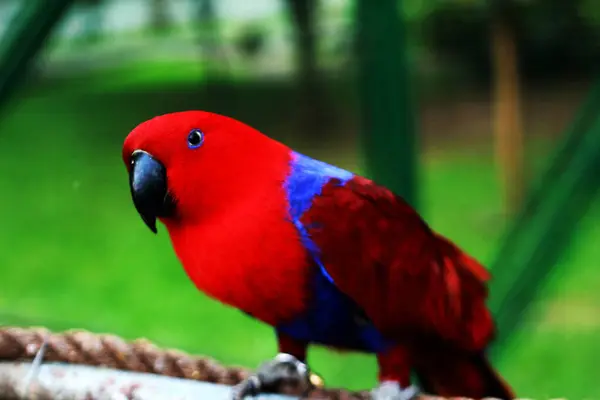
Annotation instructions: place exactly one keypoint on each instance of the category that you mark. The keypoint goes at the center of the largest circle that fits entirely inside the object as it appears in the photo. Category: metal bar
(24, 39)
(66, 382)
(584, 119)
(543, 230)
(388, 122)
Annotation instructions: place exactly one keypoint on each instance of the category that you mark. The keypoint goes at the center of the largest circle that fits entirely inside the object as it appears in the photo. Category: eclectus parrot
(321, 254)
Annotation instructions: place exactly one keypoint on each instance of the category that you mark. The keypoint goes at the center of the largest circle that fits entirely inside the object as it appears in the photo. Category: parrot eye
(195, 138)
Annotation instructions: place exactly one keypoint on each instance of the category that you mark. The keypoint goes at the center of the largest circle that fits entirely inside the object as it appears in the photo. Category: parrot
(323, 255)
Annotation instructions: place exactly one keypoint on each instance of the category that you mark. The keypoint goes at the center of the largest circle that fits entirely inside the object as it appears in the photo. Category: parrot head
(186, 166)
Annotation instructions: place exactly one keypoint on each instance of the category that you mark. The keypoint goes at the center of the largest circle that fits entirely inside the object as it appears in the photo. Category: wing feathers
(380, 252)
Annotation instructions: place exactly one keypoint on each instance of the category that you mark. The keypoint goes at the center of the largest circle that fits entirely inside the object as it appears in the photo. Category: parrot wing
(377, 250)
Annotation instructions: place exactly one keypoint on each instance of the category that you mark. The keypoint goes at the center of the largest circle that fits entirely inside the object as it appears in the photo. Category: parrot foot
(283, 374)
(393, 391)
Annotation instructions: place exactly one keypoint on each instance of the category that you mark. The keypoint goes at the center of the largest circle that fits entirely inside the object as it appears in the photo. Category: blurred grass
(75, 253)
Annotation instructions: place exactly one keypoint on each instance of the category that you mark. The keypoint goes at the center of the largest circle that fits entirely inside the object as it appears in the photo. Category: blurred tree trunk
(209, 37)
(159, 15)
(507, 106)
(207, 19)
(314, 115)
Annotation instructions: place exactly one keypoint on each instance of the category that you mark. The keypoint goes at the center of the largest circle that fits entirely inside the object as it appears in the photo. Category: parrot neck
(248, 256)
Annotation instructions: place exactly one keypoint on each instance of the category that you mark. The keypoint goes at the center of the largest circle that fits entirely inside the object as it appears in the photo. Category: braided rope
(110, 351)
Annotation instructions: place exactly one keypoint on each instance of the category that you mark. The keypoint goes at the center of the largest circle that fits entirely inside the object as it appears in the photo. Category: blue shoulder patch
(306, 180)
(332, 317)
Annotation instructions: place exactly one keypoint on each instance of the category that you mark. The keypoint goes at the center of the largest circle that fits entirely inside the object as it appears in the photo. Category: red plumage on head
(234, 159)
(231, 232)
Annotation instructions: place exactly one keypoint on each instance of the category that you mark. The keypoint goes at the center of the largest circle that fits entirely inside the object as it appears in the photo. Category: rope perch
(102, 350)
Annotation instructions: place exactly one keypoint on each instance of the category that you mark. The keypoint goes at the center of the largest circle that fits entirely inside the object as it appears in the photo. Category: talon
(316, 380)
(283, 374)
(393, 391)
(249, 387)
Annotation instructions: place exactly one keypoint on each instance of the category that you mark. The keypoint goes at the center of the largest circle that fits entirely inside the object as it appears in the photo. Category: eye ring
(195, 138)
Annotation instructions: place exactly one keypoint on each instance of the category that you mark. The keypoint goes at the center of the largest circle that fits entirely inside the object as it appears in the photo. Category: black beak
(149, 190)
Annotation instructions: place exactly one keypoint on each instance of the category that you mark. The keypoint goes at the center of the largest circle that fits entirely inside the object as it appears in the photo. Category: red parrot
(321, 254)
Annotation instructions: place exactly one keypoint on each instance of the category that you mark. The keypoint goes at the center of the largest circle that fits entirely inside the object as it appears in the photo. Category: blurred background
(481, 112)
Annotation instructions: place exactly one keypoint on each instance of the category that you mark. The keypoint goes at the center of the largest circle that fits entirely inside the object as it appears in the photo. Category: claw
(393, 391)
(316, 380)
(249, 387)
(283, 374)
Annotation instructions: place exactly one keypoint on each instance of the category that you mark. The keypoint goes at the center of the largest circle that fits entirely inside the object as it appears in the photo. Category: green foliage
(589, 11)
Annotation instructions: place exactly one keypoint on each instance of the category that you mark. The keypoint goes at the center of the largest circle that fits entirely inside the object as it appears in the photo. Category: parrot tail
(464, 375)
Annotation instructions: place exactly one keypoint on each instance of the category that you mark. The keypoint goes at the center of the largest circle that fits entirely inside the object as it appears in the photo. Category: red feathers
(249, 258)
(232, 164)
(313, 250)
(231, 230)
(406, 278)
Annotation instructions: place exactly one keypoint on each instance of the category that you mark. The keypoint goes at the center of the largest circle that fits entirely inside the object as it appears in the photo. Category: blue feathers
(332, 318)
(306, 180)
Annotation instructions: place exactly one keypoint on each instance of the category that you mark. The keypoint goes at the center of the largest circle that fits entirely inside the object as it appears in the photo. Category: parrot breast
(247, 254)
(331, 317)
